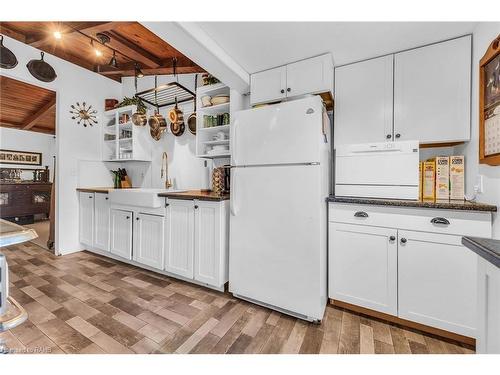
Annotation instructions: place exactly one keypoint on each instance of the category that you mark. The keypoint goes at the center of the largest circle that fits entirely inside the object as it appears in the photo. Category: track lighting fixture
(138, 71)
(113, 61)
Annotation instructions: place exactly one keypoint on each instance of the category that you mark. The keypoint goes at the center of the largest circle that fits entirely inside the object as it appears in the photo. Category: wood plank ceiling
(27, 107)
(132, 42)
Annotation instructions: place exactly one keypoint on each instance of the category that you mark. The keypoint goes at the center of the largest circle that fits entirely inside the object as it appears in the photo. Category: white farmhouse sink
(139, 197)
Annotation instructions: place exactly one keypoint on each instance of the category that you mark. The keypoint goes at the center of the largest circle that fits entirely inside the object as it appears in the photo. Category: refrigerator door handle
(232, 201)
(232, 142)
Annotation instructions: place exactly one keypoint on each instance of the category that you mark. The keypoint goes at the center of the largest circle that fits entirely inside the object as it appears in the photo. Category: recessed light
(97, 52)
(57, 35)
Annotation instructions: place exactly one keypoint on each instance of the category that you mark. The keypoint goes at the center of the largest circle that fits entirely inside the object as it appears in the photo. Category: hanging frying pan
(191, 121)
(177, 129)
(7, 59)
(41, 70)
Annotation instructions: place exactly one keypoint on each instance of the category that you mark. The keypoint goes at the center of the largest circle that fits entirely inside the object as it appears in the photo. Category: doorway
(28, 157)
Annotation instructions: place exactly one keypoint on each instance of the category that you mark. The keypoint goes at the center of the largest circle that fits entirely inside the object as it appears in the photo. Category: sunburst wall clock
(83, 114)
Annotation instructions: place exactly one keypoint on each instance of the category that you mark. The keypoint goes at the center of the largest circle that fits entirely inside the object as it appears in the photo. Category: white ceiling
(261, 45)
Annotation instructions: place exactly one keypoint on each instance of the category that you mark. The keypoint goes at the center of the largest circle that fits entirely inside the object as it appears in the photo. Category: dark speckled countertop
(436, 204)
(484, 247)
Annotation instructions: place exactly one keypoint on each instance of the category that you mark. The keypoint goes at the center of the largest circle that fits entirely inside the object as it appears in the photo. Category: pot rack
(167, 95)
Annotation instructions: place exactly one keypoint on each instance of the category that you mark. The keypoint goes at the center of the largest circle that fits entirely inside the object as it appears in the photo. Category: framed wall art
(489, 105)
(20, 157)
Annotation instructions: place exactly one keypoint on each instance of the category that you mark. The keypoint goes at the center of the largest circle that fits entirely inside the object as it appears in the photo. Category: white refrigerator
(278, 224)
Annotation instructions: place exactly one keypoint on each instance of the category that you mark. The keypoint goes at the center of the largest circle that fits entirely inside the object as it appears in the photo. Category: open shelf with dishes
(213, 121)
(121, 140)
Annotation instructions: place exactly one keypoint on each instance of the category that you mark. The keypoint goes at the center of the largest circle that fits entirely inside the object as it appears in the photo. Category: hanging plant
(141, 107)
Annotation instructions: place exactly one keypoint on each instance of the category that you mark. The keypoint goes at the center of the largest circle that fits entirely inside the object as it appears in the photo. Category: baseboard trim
(406, 323)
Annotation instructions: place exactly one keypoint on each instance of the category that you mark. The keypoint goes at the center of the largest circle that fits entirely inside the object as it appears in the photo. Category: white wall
(185, 169)
(483, 34)
(22, 140)
(73, 142)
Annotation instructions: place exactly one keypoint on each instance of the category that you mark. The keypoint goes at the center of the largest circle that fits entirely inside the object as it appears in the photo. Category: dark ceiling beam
(132, 50)
(5, 30)
(73, 27)
(184, 65)
(32, 119)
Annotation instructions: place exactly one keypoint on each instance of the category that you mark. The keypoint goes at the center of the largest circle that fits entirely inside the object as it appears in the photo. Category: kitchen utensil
(110, 104)
(220, 136)
(41, 70)
(191, 122)
(219, 99)
(177, 129)
(218, 180)
(156, 133)
(139, 119)
(157, 121)
(206, 101)
(7, 58)
(175, 115)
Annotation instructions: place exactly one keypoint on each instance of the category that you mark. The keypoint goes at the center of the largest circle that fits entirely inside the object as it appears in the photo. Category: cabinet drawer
(464, 223)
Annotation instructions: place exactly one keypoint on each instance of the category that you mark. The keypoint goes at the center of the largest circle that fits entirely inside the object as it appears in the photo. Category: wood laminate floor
(84, 303)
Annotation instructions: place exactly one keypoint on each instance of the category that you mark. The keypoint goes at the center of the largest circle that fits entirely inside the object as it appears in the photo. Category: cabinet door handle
(106, 198)
(398, 135)
(90, 196)
(128, 217)
(403, 240)
(388, 136)
(282, 91)
(392, 238)
(360, 214)
(196, 206)
(440, 220)
(167, 204)
(137, 218)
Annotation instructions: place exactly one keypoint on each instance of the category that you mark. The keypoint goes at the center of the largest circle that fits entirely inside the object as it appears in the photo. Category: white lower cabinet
(187, 238)
(437, 281)
(196, 245)
(404, 262)
(211, 248)
(121, 233)
(148, 239)
(363, 266)
(101, 221)
(86, 218)
(179, 244)
(488, 331)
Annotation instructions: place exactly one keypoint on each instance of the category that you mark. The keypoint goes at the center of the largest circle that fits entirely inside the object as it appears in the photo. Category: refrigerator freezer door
(285, 133)
(277, 241)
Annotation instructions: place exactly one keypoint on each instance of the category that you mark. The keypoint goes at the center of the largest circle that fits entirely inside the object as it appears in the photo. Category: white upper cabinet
(179, 244)
(268, 86)
(86, 218)
(421, 94)
(363, 101)
(432, 92)
(148, 240)
(101, 221)
(309, 76)
(121, 233)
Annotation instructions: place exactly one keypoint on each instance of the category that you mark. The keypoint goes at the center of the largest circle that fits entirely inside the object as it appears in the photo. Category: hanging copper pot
(157, 121)
(177, 129)
(175, 115)
(139, 119)
(191, 121)
(7, 58)
(41, 70)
